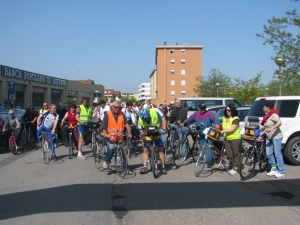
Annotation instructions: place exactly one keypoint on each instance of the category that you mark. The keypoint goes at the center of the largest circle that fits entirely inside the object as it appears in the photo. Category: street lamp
(279, 62)
(217, 86)
(267, 91)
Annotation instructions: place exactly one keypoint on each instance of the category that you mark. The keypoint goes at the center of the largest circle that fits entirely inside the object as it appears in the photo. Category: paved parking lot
(74, 192)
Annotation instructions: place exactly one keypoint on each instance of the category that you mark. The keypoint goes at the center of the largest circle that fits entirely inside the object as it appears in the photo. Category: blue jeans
(273, 148)
(110, 150)
(201, 143)
(49, 134)
(178, 130)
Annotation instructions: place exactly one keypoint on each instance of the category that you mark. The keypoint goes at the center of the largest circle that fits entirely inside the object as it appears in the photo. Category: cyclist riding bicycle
(11, 125)
(178, 115)
(49, 122)
(152, 117)
(203, 118)
(113, 122)
(31, 116)
(72, 122)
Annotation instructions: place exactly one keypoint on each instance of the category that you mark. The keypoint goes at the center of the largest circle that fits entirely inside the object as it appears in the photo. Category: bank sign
(24, 75)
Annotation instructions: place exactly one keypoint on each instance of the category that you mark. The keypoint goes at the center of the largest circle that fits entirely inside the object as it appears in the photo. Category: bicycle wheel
(263, 160)
(195, 150)
(181, 153)
(99, 156)
(128, 146)
(71, 147)
(154, 161)
(47, 153)
(121, 162)
(24, 137)
(201, 161)
(13, 146)
(32, 141)
(247, 163)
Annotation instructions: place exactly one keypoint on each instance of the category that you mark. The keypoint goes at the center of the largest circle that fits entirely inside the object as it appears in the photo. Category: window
(288, 108)
(182, 93)
(172, 71)
(182, 51)
(182, 72)
(172, 82)
(183, 82)
(183, 61)
(172, 61)
(172, 51)
(172, 93)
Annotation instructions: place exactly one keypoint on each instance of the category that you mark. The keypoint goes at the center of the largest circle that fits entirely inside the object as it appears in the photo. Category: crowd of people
(118, 117)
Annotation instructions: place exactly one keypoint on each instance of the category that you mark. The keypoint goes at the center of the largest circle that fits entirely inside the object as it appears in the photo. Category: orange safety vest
(115, 128)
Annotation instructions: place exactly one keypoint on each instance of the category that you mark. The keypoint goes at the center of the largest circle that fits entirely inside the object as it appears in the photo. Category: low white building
(144, 92)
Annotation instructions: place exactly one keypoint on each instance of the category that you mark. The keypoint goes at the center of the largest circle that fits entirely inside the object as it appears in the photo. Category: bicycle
(94, 126)
(120, 156)
(46, 150)
(27, 136)
(253, 155)
(185, 150)
(128, 142)
(72, 141)
(101, 149)
(13, 143)
(152, 131)
(213, 135)
(172, 140)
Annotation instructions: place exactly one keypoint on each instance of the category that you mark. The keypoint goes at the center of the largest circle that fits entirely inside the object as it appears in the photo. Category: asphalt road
(75, 192)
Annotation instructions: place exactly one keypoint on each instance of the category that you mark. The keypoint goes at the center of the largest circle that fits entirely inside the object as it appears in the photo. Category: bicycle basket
(94, 124)
(152, 130)
(252, 132)
(213, 133)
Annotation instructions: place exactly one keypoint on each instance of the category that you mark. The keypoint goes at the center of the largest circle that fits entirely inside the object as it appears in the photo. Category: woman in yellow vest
(232, 135)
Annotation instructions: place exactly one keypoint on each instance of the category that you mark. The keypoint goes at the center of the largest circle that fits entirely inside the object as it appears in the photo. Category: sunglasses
(115, 107)
(228, 110)
(45, 105)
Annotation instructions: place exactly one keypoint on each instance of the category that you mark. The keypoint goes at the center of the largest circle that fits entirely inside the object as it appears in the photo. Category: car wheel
(292, 151)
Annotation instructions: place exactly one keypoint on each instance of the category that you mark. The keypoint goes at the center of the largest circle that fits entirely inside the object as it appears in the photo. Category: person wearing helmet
(150, 116)
(11, 125)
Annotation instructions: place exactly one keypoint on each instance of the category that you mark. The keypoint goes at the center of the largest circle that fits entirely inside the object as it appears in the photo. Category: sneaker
(272, 173)
(81, 157)
(128, 172)
(105, 165)
(163, 171)
(232, 172)
(54, 157)
(209, 164)
(279, 175)
(55, 146)
(143, 170)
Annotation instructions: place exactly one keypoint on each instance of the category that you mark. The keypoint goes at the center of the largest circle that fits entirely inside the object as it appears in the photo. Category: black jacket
(178, 114)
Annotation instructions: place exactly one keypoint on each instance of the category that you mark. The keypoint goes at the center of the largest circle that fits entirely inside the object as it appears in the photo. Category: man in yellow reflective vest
(83, 115)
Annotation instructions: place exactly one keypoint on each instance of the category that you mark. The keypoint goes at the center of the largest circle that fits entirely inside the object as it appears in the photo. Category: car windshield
(256, 108)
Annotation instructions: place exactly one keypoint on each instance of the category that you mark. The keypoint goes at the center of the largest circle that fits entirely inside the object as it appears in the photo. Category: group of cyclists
(135, 119)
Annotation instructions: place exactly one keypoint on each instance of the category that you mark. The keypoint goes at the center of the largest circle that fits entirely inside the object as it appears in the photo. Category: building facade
(143, 92)
(177, 68)
(153, 85)
(22, 89)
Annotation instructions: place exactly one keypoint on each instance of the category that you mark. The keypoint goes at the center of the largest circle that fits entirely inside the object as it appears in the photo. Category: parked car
(288, 108)
(215, 109)
(18, 113)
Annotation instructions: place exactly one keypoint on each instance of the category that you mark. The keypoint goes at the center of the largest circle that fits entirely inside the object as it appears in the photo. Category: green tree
(206, 86)
(247, 91)
(283, 35)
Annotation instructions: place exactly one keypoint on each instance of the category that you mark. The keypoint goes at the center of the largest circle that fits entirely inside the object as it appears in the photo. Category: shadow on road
(144, 196)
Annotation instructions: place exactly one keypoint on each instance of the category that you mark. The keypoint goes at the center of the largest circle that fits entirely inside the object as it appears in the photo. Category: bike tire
(181, 153)
(47, 153)
(32, 141)
(154, 161)
(196, 149)
(263, 159)
(201, 161)
(24, 137)
(121, 162)
(247, 164)
(71, 147)
(13, 146)
(99, 157)
(128, 146)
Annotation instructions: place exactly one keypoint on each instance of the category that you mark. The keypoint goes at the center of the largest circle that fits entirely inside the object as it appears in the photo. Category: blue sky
(113, 42)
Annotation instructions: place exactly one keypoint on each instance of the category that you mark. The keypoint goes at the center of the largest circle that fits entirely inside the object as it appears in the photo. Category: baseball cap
(202, 106)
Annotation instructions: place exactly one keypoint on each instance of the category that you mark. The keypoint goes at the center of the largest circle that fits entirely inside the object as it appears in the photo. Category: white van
(288, 108)
(192, 104)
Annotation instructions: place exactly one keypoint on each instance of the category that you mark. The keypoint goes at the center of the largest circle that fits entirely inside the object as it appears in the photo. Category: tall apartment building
(143, 92)
(177, 67)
